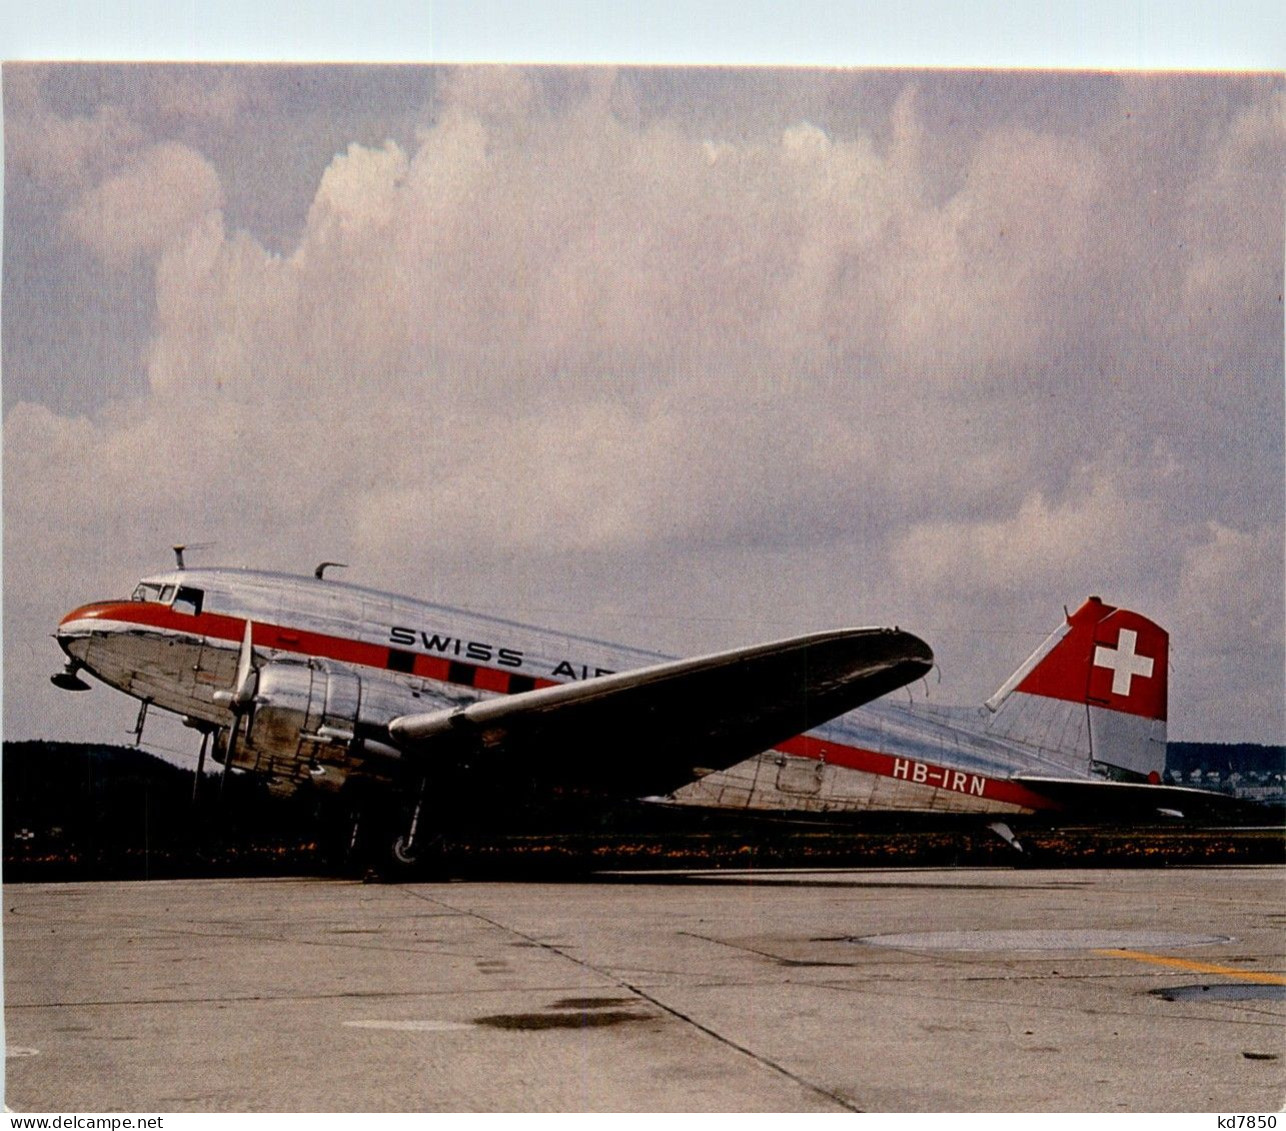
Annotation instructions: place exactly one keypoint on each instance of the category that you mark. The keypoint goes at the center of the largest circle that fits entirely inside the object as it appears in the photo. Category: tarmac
(912, 990)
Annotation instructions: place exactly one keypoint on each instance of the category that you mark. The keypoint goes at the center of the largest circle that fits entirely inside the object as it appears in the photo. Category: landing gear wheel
(412, 858)
(405, 852)
(417, 846)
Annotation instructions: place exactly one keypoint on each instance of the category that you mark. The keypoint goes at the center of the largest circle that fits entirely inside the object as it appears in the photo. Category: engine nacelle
(307, 727)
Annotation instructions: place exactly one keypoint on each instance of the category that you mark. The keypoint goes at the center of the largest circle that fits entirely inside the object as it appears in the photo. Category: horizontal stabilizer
(1131, 802)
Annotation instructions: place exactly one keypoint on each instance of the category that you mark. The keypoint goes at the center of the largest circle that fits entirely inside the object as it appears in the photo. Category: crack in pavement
(678, 1014)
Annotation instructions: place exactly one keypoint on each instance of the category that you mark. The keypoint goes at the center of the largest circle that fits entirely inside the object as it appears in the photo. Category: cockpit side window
(147, 591)
(189, 600)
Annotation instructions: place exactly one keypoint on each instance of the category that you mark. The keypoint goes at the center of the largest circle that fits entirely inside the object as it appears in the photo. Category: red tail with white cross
(1096, 691)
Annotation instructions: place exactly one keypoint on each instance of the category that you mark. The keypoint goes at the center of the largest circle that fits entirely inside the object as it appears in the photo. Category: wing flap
(644, 731)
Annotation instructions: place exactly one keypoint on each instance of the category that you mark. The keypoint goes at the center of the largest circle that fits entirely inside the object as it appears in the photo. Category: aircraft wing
(1135, 801)
(647, 731)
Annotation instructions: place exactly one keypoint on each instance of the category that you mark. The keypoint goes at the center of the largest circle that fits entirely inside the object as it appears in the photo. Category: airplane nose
(76, 647)
(73, 638)
(76, 630)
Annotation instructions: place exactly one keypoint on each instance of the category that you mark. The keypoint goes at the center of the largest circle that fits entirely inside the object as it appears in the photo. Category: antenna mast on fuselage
(178, 551)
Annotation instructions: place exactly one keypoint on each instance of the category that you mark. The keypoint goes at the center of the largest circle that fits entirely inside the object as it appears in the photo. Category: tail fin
(1093, 695)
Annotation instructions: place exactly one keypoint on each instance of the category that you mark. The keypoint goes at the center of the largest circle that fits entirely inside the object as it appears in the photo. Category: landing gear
(408, 847)
(405, 851)
(419, 847)
(389, 840)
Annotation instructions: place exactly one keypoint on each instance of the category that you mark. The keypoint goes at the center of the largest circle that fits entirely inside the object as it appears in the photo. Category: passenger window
(189, 600)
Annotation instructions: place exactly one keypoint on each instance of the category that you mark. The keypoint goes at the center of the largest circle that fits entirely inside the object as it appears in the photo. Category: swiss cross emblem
(1124, 661)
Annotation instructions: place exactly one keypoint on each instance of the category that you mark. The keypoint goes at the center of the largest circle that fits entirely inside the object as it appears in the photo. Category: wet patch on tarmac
(582, 1019)
(570, 1013)
(1245, 991)
(1037, 940)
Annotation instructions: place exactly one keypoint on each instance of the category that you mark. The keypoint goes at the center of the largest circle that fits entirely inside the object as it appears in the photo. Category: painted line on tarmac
(1197, 967)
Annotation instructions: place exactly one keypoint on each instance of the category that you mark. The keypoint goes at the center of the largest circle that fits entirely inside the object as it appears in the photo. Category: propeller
(241, 699)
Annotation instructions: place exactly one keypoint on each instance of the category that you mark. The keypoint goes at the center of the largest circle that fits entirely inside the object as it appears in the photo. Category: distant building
(1243, 769)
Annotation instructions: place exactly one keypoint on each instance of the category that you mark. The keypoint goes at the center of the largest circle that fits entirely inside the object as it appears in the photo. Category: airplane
(419, 713)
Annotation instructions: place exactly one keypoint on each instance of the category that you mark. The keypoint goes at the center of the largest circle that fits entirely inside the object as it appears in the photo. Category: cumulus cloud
(1234, 651)
(556, 328)
(1042, 543)
(155, 199)
(1232, 585)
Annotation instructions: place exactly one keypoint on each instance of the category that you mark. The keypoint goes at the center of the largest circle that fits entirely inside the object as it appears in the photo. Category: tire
(404, 854)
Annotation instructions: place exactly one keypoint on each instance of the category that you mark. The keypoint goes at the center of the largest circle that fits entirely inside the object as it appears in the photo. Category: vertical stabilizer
(1093, 695)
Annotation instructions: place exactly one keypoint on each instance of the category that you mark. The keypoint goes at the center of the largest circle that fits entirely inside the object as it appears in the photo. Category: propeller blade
(243, 692)
(242, 696)
(240, 700)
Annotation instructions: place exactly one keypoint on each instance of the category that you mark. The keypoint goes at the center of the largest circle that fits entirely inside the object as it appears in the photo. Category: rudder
(1093, 696)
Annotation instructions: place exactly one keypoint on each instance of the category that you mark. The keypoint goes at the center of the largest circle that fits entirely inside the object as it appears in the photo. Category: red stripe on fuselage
(231, 630)
(913, 771)
(320, 645)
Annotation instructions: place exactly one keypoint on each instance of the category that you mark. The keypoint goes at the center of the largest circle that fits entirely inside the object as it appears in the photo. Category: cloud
(357, 191)
(1039, 546)
(1232, 584)
(1230, 664)
(155, 199)
(558, 330)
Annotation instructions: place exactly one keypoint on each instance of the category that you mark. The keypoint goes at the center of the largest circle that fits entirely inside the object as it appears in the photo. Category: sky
(685, 357)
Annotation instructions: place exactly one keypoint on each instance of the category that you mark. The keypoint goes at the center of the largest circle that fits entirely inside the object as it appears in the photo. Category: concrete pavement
(811, 991)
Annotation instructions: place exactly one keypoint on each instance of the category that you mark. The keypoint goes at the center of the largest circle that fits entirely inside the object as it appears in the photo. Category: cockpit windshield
(182, 597)
(189, 600)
